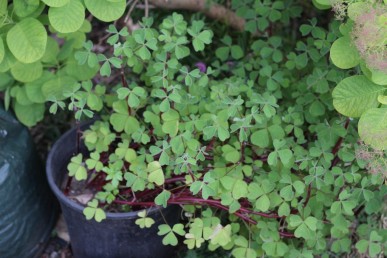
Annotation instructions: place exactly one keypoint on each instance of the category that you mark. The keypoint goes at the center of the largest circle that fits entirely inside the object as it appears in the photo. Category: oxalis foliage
(239, 129)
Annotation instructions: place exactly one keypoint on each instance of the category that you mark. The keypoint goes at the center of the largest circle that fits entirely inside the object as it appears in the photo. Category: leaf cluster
(38, 40)
(240, 131)
(254, 152)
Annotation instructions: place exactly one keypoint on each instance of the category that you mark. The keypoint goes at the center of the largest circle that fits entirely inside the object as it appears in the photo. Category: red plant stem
(243, 146)
(78, 135)
(286, 234)
(153, 191)
(123, 80)
(308, 194)
(194, 200)
(214, 203)
(211, 144)
(174, 179)
(94, 180)
(340, 140)
(338, 145)
(261, 158)
(68, 184)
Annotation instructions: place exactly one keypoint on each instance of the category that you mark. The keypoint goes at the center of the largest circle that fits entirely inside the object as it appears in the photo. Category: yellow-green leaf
(156, 174)
(55, 3)
(27, 40)
(27, 72)
(356, 94)
(67, 18)
(2, 50)
(343, 54)
(106, 10)
(373, 128)
(29, 115)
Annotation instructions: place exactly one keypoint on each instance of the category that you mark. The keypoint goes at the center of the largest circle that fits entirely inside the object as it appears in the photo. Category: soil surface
(58, 245)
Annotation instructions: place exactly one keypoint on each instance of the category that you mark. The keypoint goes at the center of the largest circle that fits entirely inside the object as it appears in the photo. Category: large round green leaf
(29, 115)
(80, 72)
(57, 86)
(2, 50)
(67, 18)
(19, 92)
(8, 60)
(77, 38)
(52, 50)
(374, 75)
(373, 128)
(355, 94)
(6, 80)
(322, 4)
(3, 7)
(356, 9)
(106, 10)
(34, 89)
(27, 72)
(27, 40)
(343, 54)
(55, 3)
(24, 8)
(378, 77)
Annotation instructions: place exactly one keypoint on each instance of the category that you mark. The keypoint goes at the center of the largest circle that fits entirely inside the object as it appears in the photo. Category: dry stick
(214, 11)
(130, 11)
(146, 8)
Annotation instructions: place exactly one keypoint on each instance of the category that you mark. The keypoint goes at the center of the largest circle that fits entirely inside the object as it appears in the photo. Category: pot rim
(70, 203)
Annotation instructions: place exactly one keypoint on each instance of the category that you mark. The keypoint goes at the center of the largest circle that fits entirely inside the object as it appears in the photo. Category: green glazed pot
(28, 210)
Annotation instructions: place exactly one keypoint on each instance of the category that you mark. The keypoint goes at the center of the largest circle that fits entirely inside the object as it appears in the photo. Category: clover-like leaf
(123, 151)
(303, 226)
(76, 168)
(92, 211)
(170, 237)
(122, 120)
(156, 174)
(94, 162)
(163, 198)
(230, 153)
(144, 221)
(199, 37)
(221, 235)
(171, 122)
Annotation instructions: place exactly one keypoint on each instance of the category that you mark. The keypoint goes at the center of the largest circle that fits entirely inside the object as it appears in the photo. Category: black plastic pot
(115, 237)
(28, 210)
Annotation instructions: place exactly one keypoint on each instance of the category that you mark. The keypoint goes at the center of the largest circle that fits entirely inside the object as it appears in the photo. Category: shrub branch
(212, 10)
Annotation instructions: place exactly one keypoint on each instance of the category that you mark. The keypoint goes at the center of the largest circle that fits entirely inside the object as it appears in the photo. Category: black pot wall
(28, 210)
(115, 237)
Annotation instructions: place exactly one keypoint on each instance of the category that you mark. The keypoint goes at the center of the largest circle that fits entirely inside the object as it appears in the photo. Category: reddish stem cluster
(181, 195)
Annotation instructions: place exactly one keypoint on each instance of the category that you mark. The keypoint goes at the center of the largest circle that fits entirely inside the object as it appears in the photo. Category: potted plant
(246, 142)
